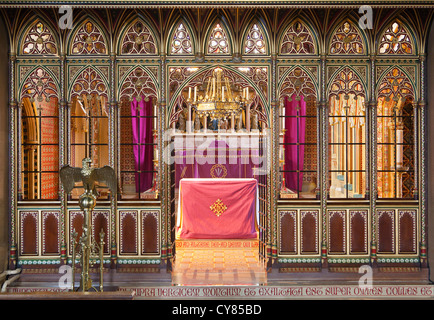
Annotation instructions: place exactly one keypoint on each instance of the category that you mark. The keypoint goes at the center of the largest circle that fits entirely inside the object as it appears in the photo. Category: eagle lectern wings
(88, 176)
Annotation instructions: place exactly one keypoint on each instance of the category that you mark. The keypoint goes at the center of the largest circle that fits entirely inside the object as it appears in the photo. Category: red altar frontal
(217, 209)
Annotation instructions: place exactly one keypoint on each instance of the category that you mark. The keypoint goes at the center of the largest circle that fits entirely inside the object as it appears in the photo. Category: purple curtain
(241, 166)
(141, 113)
(295, 136)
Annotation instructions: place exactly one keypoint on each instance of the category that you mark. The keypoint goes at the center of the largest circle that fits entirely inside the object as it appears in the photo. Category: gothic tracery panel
(138, 40)
(218, 42)
(395, 84)
(138, 83)
(138, 124)
(89, 82)
(346, 82)
(177, 75)
(181, 41)
(297, 40)
(88, 40)
(297, 82)
(396, 40)
(347, 40)
(39, 40)
(39, 85)
(89, 120)
(255, 42)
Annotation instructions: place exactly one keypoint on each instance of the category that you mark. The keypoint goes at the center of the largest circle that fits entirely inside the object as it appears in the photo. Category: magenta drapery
(295, 125)
(141, 113)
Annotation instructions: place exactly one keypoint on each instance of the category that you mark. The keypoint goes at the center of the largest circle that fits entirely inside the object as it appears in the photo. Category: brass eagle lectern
(88, 176)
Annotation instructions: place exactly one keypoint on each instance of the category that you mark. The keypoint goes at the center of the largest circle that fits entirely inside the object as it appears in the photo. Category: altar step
(218, 262)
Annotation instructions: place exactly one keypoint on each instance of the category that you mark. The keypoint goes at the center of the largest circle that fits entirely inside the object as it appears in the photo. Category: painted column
(19, 152)
(12, 164)
(372, 149)
(274, 186)
(324, 157)
(163, 176)
(113, 150)
(62, 159)
(422, 156)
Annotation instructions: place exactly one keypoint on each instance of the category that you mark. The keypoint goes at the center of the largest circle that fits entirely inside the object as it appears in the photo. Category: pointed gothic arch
(396, 135)
(181, 39)
(347, 135)
(88, 37)
(38, 38)
(298, 38)
(137, 38)
(255, 39)
(299, 81)
(396, 38)
(89, 80)
(240, 78)
(138, 82)
(346, 80)
(39, 134)
(39, 82)
(347, 38)
(218, 39)
(394, 81)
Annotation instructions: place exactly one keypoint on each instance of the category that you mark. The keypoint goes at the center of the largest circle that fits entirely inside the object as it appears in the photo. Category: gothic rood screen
(341, 109)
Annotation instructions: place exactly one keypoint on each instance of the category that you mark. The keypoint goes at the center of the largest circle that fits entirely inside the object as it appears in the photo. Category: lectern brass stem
(101, 261)
(87, 201)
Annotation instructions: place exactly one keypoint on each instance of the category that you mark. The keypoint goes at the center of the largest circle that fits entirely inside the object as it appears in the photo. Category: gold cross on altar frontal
(218, 207)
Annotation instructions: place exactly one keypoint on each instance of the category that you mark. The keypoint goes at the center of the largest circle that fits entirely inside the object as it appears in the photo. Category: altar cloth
(217, 209)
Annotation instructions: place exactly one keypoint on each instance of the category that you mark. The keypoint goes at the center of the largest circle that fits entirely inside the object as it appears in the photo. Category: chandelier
(218, 101)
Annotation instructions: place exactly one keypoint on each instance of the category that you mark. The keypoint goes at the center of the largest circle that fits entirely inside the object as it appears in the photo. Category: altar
(217, 209)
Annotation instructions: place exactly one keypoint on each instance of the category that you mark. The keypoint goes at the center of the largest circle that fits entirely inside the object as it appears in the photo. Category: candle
(248, 118)
(247, 93)
(189, 93)
(189, 119)
(155, 116)
(195, 93)
(223, 93)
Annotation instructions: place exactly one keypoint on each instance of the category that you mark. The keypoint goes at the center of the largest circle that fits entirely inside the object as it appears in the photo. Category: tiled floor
(218, 263)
